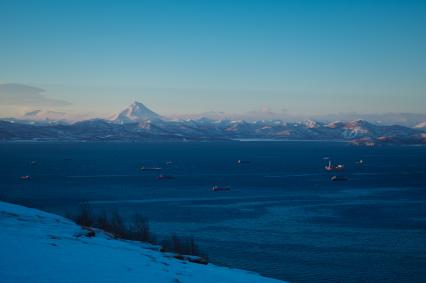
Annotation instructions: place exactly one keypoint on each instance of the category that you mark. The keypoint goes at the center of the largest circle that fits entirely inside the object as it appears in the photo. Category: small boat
(218, 188)
(169, 162)
(239, 161)
(25, 177)
(143, 168)
(331, 167)
(360, 162)
(165, 177)
(339, 178)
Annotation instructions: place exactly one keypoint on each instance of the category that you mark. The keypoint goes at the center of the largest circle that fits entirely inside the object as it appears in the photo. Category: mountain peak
(137, 104)
(135, 112)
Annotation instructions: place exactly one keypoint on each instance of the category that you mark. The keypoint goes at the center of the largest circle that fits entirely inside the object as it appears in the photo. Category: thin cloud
(24, 95)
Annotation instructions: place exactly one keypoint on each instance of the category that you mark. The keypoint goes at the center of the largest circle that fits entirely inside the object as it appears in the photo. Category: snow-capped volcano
(136, 112)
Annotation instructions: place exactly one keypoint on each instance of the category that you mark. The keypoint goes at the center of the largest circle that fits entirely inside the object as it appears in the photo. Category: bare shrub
(181, 245)
(140, 231)
(85, 217)
(117, 227)
(102, 222)
(137, 230)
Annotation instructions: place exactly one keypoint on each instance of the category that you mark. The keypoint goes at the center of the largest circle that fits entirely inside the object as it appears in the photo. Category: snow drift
(41, 247)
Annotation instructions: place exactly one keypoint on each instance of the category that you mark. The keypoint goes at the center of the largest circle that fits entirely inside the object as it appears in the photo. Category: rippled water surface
(283, 217)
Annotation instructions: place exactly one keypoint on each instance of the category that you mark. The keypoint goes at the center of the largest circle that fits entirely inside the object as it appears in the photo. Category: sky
(289, 56)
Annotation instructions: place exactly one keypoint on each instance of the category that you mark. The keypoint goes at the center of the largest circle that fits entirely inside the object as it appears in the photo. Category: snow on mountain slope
(421, 125)
(311, 124)
(45, 115)
(136, 112)
(41, 247)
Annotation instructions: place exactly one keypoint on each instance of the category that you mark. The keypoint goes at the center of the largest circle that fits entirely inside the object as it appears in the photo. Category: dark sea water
(283, 217)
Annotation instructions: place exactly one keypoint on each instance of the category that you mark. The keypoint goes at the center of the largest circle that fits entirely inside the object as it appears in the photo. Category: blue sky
(297, 56)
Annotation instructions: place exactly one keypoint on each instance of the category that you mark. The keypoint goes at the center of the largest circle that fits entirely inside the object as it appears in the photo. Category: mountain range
(139, 123)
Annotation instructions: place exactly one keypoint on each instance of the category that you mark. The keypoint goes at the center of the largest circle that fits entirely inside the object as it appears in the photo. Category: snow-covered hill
(40, 247)
(421, 125)
(155, 130)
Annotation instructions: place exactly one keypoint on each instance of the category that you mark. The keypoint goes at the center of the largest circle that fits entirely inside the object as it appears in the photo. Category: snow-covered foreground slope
(36, 246)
